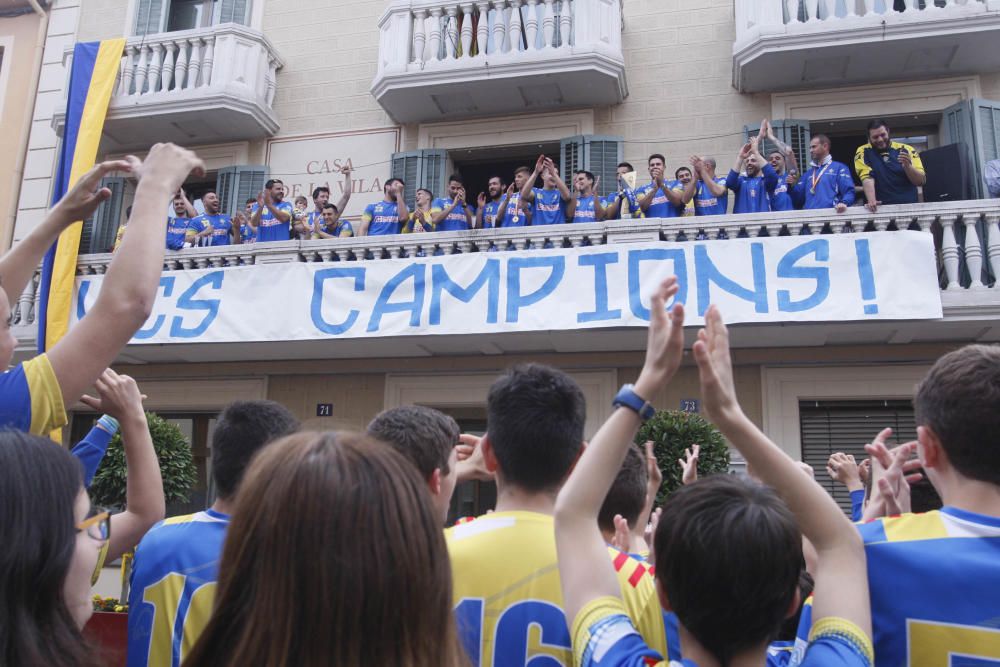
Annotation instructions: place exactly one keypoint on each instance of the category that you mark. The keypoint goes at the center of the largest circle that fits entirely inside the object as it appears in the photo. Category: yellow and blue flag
(92, 80)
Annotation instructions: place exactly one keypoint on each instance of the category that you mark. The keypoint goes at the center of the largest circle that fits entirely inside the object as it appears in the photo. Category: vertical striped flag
(92, 79)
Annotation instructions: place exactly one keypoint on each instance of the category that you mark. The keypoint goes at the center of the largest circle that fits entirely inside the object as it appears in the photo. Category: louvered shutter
(149, 16)
(846, 426)
(235, 185)
(98, 233)
(795, 133)
(420, 169)
(601, 157)
(571, 159)
(232, 11)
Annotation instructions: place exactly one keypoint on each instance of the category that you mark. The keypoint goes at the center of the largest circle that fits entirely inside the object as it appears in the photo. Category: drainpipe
(22, 153)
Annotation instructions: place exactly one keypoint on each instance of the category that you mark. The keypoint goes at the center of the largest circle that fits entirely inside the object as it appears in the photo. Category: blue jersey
(548, 207)
(585, 210)
(603, 636)
(514, 215)
(30, 398)
(781, 200)
(247, 233)
(173, 587)
(660, 207)
(177, 230)
(221, 227)
(752, 193)
(270, 228)
(626, 204)
(382, 218)
(705, 203)
(824, 186)
(490, 210)
(454, 221)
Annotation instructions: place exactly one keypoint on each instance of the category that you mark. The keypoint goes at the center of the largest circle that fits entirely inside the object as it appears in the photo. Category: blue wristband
(627, 398)
(108, 423)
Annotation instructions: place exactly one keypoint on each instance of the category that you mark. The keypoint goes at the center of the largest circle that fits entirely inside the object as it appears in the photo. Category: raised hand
(653, 474)
(745, 151)
(510, 189)
(481, 199)
(622, 538)
(843, 468)
(540, 164)
(117, 396)
(689, 465)
(715, 368)
(905, 158)
(168, 165)
(85, 195)
(471, 463)
(665, 340)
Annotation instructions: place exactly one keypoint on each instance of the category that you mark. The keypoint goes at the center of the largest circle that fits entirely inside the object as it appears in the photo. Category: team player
(552, 204)
(515, 213)
(421, 219)
(710, 195)
(506, 583)
(889, 171)
(729, 605)
(34, 394)
(177, 563)
(488, 211)
(213, 224)
(683, 176)
(588, 202)
(782, 160)
(271, 217)
(453, 214)
(179, 233)
(753, 190)
(321, 197)
(337, 226)
(386, 216)
(623, 196)
(826, 184)
(662, 198)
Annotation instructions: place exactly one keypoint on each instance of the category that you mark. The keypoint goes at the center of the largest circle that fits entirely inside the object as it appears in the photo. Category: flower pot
(108, 631)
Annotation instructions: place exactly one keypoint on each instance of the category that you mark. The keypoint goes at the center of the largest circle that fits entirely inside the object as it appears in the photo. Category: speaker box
(947, 170)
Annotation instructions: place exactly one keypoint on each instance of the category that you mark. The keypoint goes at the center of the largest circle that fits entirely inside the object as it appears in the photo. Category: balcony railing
(967, 236)
(193, 86)
(463, 57)
(783, 44)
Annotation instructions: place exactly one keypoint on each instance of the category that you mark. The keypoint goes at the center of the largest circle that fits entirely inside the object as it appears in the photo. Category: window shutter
(845, 426)
(986, 131)
(601, 157)
(98, 233)
(149, 16)
(420, 169)
(232, 11)
(235, 185)
(795, 133)
(571, 158)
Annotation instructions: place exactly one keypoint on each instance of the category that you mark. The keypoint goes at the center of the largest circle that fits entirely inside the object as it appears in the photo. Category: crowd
(328, 548)
(890, 173)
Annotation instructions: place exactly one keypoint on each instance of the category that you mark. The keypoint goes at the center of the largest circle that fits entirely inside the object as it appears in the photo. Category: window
(153, 16)
(846, 426)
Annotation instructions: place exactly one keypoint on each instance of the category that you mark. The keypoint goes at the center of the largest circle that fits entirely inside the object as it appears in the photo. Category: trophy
(627, 183)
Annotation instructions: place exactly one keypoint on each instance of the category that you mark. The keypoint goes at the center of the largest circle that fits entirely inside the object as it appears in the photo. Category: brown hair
(334, 556)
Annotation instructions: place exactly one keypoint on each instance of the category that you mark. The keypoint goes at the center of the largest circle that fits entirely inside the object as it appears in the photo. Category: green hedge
(672, 431)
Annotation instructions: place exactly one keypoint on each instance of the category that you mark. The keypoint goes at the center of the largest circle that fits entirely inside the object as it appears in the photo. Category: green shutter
(571, 158)
(98, 233)
(420, 169)
(601, 157)
(795, 133)
(235, 185)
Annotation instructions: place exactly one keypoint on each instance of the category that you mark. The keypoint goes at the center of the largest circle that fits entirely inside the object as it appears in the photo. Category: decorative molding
(503, 131)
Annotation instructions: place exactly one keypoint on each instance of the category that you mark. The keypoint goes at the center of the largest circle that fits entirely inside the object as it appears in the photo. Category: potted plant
(108, 626)
(673, 431)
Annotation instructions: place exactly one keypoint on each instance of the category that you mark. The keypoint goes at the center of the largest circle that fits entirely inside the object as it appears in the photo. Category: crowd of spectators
(329, 548)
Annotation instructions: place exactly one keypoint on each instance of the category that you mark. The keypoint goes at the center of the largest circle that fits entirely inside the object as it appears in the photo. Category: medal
(816, 176)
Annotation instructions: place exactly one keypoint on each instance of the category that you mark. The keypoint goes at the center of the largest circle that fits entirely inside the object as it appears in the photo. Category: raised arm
(19, 263)
(348, 189)
(129, 288)
(189, 208)
(527, 194)
(841, 582)
(254, 220)
(119, 397)
(584, 568)
(717, 189)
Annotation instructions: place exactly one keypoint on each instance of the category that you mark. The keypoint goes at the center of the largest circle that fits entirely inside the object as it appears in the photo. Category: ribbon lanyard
(816, 176)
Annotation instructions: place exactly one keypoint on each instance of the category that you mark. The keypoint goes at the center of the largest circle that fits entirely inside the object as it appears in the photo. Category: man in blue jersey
(247, 233)
(663, 198)
(890, 172)
(453, 214)
(321, 197)
(782, 160)
(588, 203)
(331, 225)
(515, 212)
(552, 204)
(213, 224)
(752, 190)
(826, 184)
(271, 216)
(710, 195)
(387, 216)
(177, 563)
(487, 212)
(179, 234)
(683, 176)
(623, 202)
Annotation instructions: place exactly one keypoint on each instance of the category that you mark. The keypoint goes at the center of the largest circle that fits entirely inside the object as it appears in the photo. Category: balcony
(208, 85)
(799, 44)
(451, 59)
(966, 233)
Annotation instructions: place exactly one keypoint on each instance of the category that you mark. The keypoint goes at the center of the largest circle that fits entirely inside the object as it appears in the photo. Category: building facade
(296, 89)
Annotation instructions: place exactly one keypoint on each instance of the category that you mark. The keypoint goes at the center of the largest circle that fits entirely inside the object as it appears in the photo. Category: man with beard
(213, 224)
(752, 190)
(488, 211)
(889, 171)
(271, 216)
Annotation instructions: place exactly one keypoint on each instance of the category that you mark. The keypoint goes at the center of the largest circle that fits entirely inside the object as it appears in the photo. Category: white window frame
(256, 16)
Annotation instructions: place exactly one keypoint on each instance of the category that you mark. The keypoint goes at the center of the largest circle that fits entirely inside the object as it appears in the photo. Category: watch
(627, 398)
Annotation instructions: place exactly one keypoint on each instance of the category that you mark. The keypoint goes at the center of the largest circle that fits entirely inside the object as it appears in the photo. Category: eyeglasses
(97, 524)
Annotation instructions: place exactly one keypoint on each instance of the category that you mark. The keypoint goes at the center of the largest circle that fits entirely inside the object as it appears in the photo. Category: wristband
(108, 423)
(627, 398)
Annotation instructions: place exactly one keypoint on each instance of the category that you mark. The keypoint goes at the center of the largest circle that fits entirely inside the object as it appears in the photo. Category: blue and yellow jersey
(585, 210)
(454, 221)
(178, 232)
(934, 580)
(382, 218)
(705, 203)
(892, 186)
(514, 215)
(548, 208)
(30, 398)
(490, 211)
(420, 221)
(270, 228)
(344, 229)
(604, 636)
(247, 234)
(508, 598)
(660, 207)
(173, 587)
(221, 227)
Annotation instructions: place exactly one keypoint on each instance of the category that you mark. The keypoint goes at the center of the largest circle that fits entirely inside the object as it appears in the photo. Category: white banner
(880, 276)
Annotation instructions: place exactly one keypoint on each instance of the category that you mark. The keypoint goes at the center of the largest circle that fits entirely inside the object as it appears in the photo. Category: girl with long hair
(334, 556)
